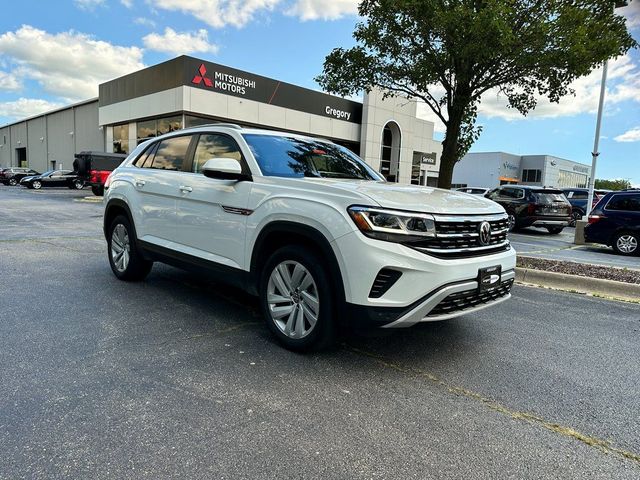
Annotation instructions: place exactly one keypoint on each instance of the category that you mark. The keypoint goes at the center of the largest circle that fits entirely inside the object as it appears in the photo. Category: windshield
(304, 157)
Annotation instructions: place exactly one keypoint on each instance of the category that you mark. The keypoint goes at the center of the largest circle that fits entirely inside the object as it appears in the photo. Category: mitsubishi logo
(484, 233)
(198, 79)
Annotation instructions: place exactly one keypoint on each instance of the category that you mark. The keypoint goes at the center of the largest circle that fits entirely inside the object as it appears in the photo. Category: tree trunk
(450, 143)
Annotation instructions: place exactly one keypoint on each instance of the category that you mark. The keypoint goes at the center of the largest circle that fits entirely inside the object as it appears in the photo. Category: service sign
(425, 158)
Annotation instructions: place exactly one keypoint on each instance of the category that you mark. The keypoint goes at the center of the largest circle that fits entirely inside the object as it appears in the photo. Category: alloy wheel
(627, 243)
(512, 221)
(120, 248)
(293, 300)
(13, 182)
(36, 185)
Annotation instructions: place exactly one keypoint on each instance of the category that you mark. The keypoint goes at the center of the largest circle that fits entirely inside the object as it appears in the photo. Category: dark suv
(533, 207)
(578, 198)
(615, 221)
(13, 175)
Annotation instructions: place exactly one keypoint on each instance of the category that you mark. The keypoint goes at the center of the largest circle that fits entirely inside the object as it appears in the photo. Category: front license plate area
(489, 277)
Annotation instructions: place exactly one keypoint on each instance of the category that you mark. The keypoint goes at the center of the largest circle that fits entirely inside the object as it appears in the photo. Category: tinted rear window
(628, 203)
(549, 196)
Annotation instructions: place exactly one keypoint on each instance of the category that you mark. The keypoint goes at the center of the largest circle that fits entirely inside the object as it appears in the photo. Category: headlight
(393, 225)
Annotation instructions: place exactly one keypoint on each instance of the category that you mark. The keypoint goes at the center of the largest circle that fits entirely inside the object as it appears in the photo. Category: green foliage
(449, 52)
(619, 184)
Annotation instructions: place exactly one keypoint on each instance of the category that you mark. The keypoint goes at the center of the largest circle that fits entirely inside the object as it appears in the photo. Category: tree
(619, 184)
(448, 53)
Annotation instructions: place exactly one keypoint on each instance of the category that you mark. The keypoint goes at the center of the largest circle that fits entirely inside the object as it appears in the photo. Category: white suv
(307, 226)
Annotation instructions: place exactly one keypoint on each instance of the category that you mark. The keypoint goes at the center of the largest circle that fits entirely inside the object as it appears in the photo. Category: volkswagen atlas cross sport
(307, 226)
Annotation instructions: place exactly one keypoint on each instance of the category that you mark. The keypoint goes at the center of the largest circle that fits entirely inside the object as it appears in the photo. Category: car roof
(228, 128)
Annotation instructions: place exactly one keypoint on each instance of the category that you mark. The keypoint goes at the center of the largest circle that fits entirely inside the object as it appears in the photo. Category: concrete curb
(594, 286)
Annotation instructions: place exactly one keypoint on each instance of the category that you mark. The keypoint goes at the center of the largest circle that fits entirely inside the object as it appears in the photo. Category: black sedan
(13, 175)
(53, 178)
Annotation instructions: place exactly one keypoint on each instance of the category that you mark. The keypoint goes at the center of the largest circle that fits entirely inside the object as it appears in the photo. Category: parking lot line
(604, 446)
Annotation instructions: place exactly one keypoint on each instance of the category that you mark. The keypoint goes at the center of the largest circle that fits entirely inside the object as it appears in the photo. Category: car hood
(417, 198)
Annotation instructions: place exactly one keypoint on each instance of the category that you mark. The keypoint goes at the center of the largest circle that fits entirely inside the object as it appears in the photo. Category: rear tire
(575, 216)
(627, 243)
(297, 300)
(78, 184)
(13, 182)
(124, 257)
(555, 230)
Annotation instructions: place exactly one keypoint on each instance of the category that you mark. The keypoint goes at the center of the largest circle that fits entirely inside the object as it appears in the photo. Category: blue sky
(54, 53)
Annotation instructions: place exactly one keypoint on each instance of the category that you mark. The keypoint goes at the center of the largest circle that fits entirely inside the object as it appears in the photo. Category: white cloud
(321, 9)
(9, 82)
(127, 3)
(623, 85)
(69, 65)
(632, 135)
(88, 4)
(218, 13)
(177, 43)
(147, 22)
(26, 107)
(632, 14)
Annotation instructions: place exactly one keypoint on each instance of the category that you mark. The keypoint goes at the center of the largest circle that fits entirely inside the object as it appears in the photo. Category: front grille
(459, 236)
(385, 279)
(457, 302)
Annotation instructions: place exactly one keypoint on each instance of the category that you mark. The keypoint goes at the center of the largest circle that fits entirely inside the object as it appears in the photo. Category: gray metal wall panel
(88, 135)
(5, 147)
(478, 170)
(61, 143)
(37, 149)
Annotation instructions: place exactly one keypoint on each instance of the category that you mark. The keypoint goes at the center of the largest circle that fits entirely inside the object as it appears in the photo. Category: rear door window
(627, 203)
(171, 153)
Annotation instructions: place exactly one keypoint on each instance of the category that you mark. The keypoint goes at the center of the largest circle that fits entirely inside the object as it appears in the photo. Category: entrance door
(21, 156)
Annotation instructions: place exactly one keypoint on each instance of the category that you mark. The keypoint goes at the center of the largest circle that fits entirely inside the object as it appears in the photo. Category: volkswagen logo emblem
(484, 233)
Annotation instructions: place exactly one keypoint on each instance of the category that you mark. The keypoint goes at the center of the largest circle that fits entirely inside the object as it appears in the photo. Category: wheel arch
(280, 233)
(114, 208)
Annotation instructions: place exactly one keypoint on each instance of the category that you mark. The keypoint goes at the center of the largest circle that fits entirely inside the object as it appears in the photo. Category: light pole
(596, 140)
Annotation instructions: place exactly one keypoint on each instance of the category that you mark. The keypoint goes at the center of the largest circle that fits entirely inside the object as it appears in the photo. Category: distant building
(492, 169)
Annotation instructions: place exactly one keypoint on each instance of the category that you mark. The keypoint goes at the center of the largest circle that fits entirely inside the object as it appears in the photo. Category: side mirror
(224, 169)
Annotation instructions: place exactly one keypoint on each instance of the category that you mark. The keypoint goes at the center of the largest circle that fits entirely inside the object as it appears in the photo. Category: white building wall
(416, 134)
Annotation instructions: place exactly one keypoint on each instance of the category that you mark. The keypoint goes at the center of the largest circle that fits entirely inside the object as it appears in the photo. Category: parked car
(615, 221)
(308, 227)
(578, 198)
(474, 190)
(53, 178)
(95, 167)
(12, 176)
(533, 207)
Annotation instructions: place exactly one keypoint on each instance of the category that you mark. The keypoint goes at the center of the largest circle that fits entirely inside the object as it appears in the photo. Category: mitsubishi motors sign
(229, 81)
(196, 73)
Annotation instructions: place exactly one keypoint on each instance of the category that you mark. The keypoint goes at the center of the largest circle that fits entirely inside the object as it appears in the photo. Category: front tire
(627, 243)
(126, 261)
(36, 185)
(13, 182)
(575, 216)
(297, 300)
(555, 230)
(511, 221)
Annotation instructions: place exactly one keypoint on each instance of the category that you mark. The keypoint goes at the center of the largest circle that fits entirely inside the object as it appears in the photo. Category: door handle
(140, 183)
(185, 189)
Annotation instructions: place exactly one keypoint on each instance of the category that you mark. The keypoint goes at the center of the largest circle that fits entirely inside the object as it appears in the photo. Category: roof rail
(227, 125)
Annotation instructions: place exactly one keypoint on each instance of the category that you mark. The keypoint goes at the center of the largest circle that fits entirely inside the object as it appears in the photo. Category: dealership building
(491, 169)
(186, 92)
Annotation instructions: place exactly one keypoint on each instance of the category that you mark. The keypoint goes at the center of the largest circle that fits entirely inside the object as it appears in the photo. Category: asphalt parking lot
(176, 377)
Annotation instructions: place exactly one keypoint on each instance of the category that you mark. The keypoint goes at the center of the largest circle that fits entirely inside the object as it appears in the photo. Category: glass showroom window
(121, 138)
(158, 126)
(531, 176)
(390, 154)
(415, 170)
